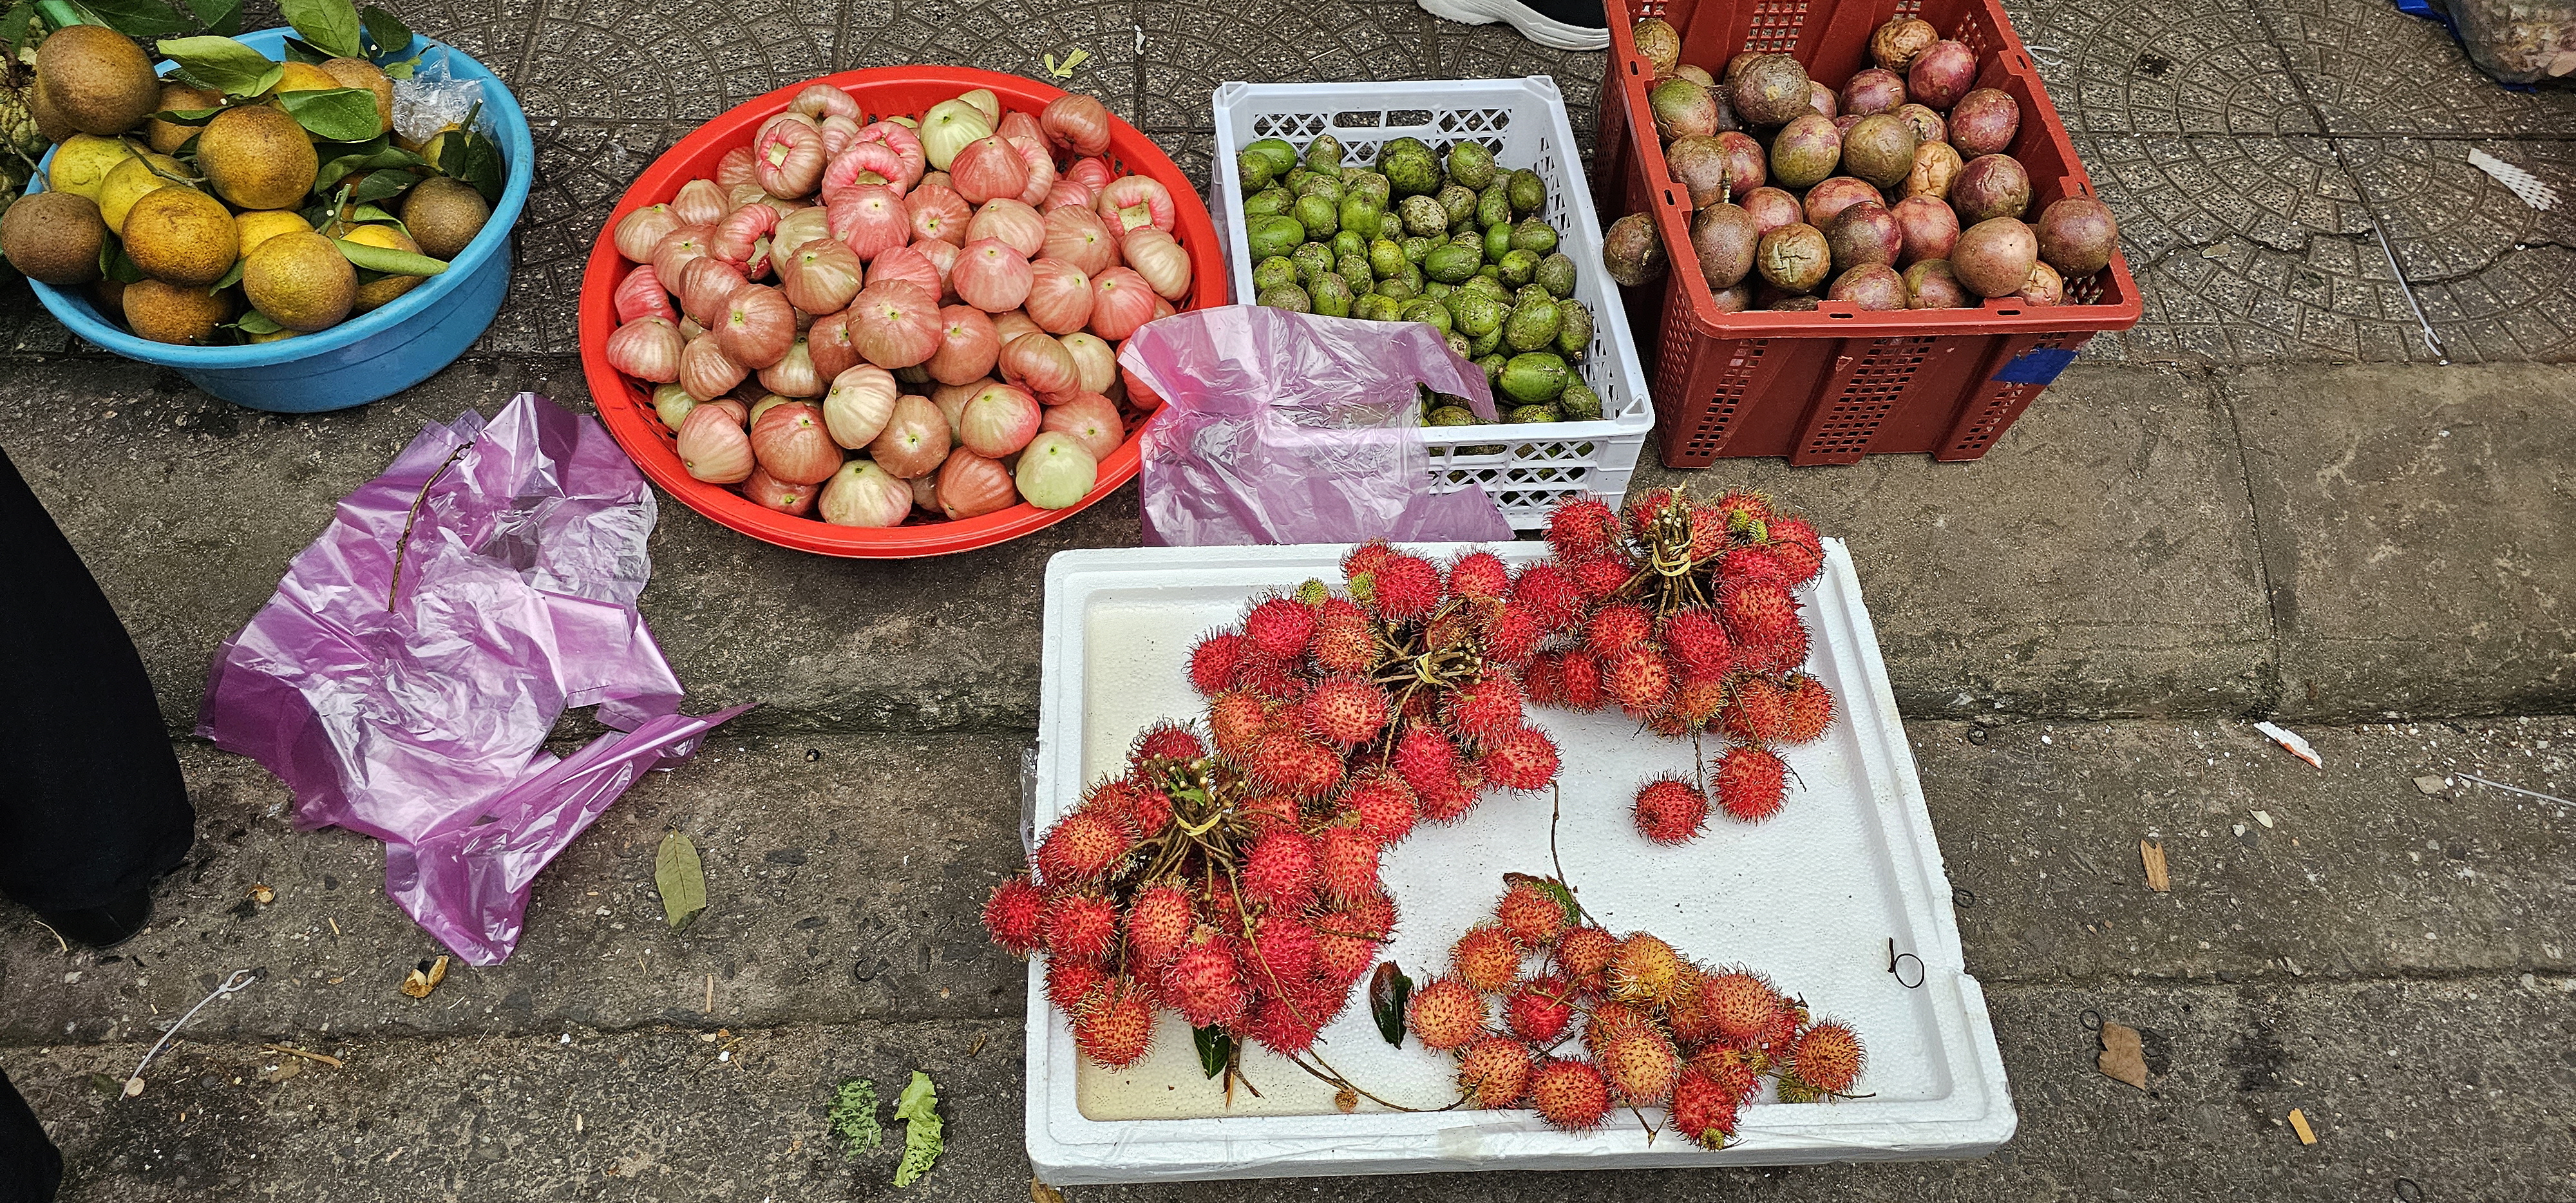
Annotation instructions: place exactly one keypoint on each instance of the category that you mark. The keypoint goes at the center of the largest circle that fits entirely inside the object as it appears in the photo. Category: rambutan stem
(1333, 1077)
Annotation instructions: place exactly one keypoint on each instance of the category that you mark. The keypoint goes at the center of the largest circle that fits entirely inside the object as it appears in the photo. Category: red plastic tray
(628, 410)
(1833, 384)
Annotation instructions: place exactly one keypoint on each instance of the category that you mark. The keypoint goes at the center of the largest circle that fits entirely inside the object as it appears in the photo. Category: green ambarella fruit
(1355, 268)
(1532, 235)
(1288, 297)
(1532, 326)
(1312, 260)
(1452, 415)
(1494, 205)
(1398, 287)
(1458, 345)
(1324, 154)
(1532, 294)
(1437, 291)
(1417, 249)
(1518, 267)
(1451, 263)
(1533, 378)
(1493, 363)
(1376, 307)
(1459, 203)
(1498, 241)
(1428, 312)
(1471, 165)
(1254, 170)
(1275, 152)
(1524, 415)
(1330, 296)
(1579, 402)
(1372, 184)
(1318, 214)
(1295, 180)
(1485, 344)
(1529, 193)
(1386, 257)
(1360, 216)
(1471, 240)
(1555, 274)
(1272, 272)
(1349, 242)
(1269, 202)
(1488, 286)
(1268, 236)
(1412, 169)
(1423, 216)
(1328, 187)
(1574, 330)
(1475, 314)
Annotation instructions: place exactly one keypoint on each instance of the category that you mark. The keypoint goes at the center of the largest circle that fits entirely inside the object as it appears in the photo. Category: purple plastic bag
(1282, 427)
(414, 709)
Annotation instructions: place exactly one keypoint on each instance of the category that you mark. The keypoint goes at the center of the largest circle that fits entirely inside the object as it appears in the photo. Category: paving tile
(2496, 277)
(1190, 49)
(2249, 249)
(1015, 36)
(622, 61)
(2161, 67)
(1496, 52)
(2370, 69)
(2417, 539)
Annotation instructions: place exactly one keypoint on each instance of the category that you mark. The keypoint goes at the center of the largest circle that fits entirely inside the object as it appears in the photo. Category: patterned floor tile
(2370, 69)
(1191, 47)
(2496, 277)
(2161, 67)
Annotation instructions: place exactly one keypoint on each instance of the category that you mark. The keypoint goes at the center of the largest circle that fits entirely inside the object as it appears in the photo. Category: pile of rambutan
(1234, 879)
(1547, 1011)
(1684, 615)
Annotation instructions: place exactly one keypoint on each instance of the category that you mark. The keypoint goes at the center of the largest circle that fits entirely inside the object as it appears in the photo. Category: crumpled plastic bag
(403, 678)
(2516, 41)
(1282, 427)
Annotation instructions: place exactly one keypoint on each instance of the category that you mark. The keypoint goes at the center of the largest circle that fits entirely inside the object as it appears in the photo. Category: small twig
(2516, 789)
(325, 1058)
(1334, 1077)
(59, 942)
(402, 546)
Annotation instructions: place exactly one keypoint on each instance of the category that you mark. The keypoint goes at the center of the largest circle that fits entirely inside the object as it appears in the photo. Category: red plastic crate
(1832, 385)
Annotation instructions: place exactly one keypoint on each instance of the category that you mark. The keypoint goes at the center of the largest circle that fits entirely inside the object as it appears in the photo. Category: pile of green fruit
(1454, 242)
(240, 198)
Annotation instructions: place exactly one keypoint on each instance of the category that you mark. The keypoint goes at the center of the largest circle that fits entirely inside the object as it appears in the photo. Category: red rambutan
(1637, 677)
(1748, 514)
(1346, 862)
(1539, 1008)
(1383, 803)
(1737, 1072)
(1534, 913)
(1280, 627)
(1480, 576)
(1750, 566)
(1267, 809)
(1542, 679)
(1278, 758)
(1603, 577)
(1757, 710)
(1370, 916)
(1494, 1072)
(1704, 1111)
(1749, 784)
(1213, 661)
(1778, 655)
(1237, 721)
(1645, 970)
(1617, 625)
(1758, 612)
(1281, 953)
(1827, 1056)
(1671, 810)
(1341, 959)
(1115, 1025)
(1015, 915)
(1579, 677)
(1280, 1024)
(1168, 740)
(1362, 561)
(1513, 630)
(1583, 528)
(1741, 1005)
(1083, 846)
(1344, 643)
(1585, 954)
(1447, 801)
(1697, 702)
(1549, 592)
(1069, 982)
(1279, 871)
(1524, 760)
(1270, 678)
(1426, 760)
(1640, 1066)
(1697, 641)
(1707, 532)
(1346, 710)
(1453, 628)
(1159, 921)
(1445, 1013)
(1686, 1011)
(1569, 1095)
(1485, 709)
(1205, 982)
(1811, 710)
(1487, 958)
(1081, 927)
(1318, 773)
(1644, 507)
(1609, 1021)
(1405, 587)
(1800, 553)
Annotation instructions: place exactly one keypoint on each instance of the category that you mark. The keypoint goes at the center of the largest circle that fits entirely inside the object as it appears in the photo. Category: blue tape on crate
(2038, 365)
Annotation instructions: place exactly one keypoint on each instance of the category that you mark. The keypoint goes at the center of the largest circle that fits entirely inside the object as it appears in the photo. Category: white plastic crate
(1524, 468)
(1814, 897)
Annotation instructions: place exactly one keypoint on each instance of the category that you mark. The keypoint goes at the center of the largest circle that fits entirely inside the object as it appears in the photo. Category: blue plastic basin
(374, 354)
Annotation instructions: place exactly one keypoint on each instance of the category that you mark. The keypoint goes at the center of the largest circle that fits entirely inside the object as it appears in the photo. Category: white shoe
(1532, 24)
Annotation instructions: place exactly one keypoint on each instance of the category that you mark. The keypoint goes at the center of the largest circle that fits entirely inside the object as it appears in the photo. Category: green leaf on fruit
(470, 157)
(230, 278)
(409, 263)
(383, 185)
(330, 25)
(113, 263)
(220, 17)
(1553, 889)
(221, 64)
(188, 116)
(255, 322)
(1216, 1049)
(1389, 991)
(14, 23)
(136, 19)
(918, 1107)
(300, 51)
(403, 69)
(676, 872)
(335, 114)
(386, 31)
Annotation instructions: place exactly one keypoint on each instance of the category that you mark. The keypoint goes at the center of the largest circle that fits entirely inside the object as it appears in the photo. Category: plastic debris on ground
(1283, 427)
(2290, 739)
(404, 677)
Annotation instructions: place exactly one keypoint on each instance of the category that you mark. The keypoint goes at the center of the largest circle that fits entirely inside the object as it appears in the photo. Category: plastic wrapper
(1282, 427)
(431, 100)
(2515, 41)
(403, 678)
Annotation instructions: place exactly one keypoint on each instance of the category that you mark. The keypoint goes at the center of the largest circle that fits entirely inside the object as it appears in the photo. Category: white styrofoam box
(1813, 897)
(1526, 469)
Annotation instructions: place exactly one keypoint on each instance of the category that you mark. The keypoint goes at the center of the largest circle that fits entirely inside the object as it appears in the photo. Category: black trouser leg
(30, 1167)
(92, 806)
